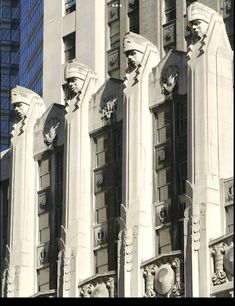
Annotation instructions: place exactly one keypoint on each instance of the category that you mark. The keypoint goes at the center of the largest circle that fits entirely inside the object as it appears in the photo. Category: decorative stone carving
(178, 288)
(108, 110)
(10, 283)
(87, 290)
(219, 276)
(128, 243)
(113, 12)
(99, 287)
(168, 35)
(227, 8)
(113, 60)
(164, 280)
(169, 79)
(99, 180)
(163, 277)
(110, 284)
(199, 211)
(100, 234)
(134, 47)
(66, 270)
(43, 255)
(148, 274)
(229, 261)
(23, 101)
(75, 74)
(163, 215)
(43, 200)
(50, 133)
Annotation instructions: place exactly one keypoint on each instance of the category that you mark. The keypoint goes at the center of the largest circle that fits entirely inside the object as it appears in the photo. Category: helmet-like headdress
(21, 94)
(200, 11)
(75, 70)
(133, 41)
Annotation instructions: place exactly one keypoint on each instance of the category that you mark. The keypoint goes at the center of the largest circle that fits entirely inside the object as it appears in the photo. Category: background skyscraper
(10, 38)
(21, 54)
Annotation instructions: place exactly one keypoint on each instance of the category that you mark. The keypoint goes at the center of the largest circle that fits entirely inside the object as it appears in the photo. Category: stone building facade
(119, 180)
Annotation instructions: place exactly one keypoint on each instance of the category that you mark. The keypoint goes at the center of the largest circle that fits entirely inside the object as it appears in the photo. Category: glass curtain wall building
(21, 54)
(10, 39)
(31, 42)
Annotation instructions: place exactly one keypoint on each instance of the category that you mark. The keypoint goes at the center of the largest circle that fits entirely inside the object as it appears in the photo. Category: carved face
(20, 109)
(134, 57)
(75, 85)
(198, 28)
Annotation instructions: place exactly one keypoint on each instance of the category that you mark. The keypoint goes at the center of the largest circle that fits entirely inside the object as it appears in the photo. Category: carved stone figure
(23, 101)
(75, 74)
(29, 108)
(134, 46)
(210, 104)
(82, 84)
(142, 56)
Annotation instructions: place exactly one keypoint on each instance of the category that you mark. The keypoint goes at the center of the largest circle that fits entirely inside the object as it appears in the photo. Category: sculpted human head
(198, 28)
(75, 74)
(21, 98)
(199, 17)
(134, 46)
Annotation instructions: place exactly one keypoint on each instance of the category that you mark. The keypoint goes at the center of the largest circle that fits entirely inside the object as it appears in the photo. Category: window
(44, 228)
(170, 10)
(133, 14)
(182, 119)
(44, 172)
(169, 25)
(113, 56)
(102, 156)
(59, 167)
(164, 241)
(163, 184)
(70, 6)
(163, 125)
(101, 260)
(118, 144)
(182, 177)
(43, 279)
(229, 205)
(69, 47)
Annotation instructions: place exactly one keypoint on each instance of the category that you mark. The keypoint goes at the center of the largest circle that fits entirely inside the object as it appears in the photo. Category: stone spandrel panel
(168, 78)
(49, 129)
(106, 105)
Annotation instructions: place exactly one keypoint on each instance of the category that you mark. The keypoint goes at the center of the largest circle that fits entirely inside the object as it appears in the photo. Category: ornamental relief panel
(164, 279)
(223, 262)
(101, 286)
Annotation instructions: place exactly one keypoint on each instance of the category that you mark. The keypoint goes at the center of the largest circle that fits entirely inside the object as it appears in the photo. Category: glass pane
(229, 218)
(43, 276)
(101, 215)
(164, 241)
(163, 134)
(169, 4)
(101, 159)
(43, 221)
(163, 177)
(45, 181)
(45, 235)
(100, 200)
(164, 193)
(44, 167)
(102, 269)
(43, 288)
(163, 117)
(101, 257)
